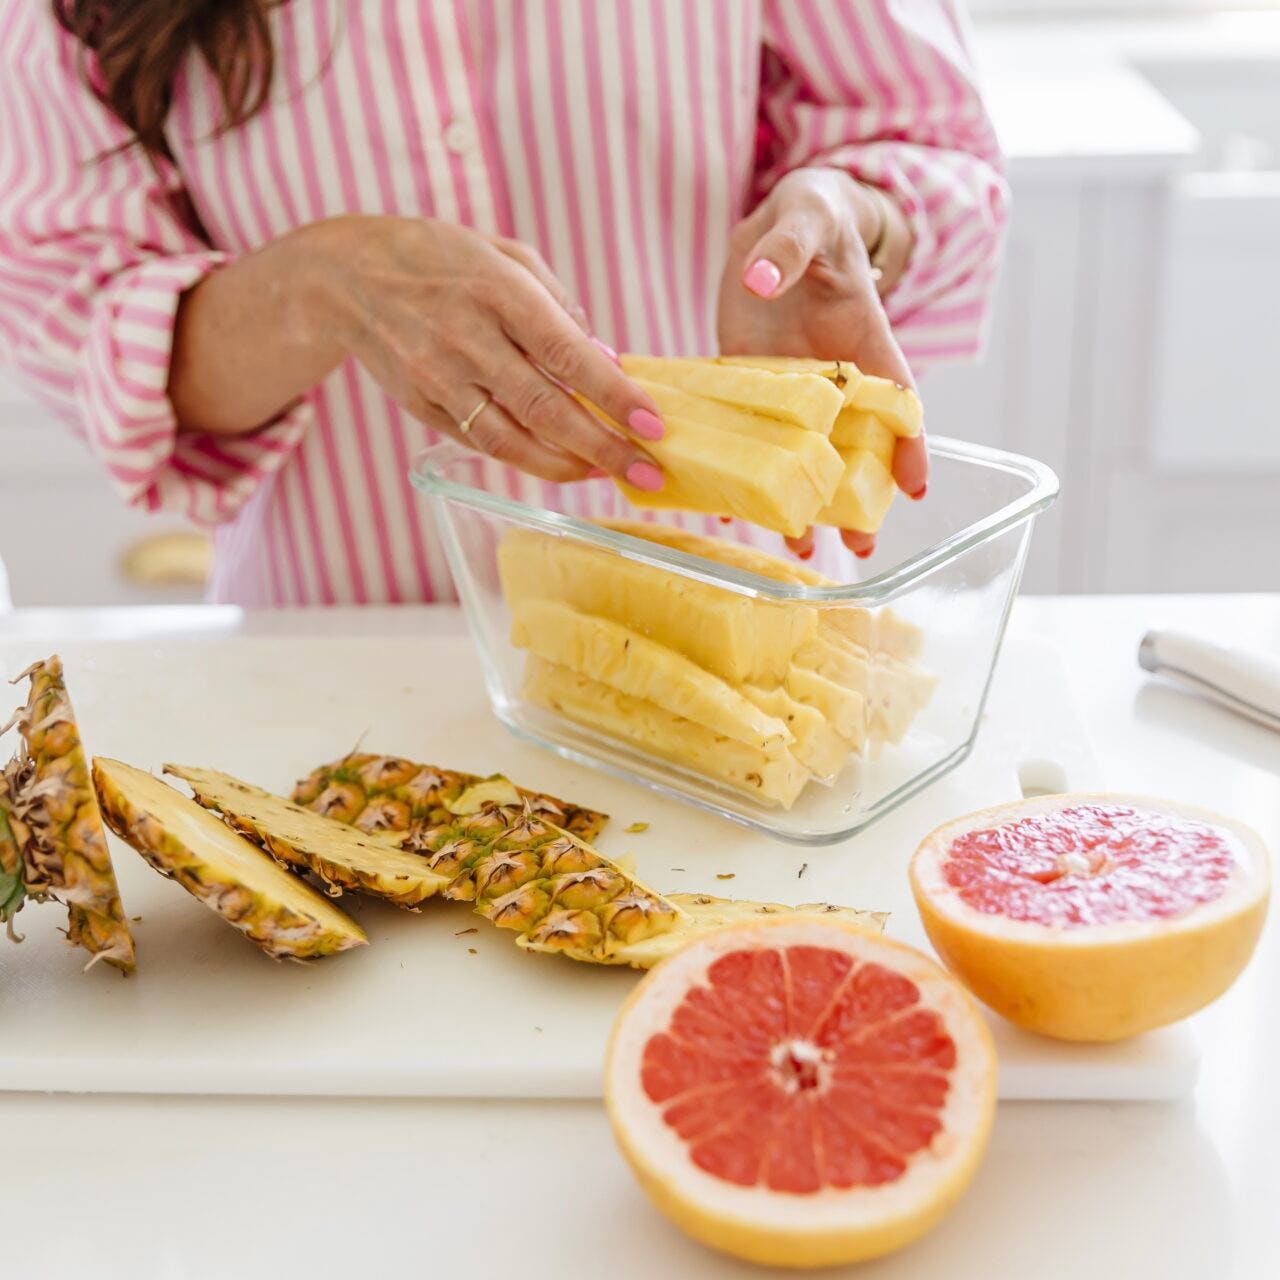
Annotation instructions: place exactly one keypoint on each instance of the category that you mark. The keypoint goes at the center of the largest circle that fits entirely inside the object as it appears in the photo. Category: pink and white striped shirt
(622, 139)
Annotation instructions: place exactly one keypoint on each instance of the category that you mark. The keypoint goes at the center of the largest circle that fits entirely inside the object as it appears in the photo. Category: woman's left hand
(798, 283)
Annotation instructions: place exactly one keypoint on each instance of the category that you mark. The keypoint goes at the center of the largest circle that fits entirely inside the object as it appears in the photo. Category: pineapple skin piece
(769, 779)
(558, 894)
(804, 399)
(736, 637)
(625, 660)
(232, 877)
(702, 913)
(342, 856)
(389, 793)
(51, 827)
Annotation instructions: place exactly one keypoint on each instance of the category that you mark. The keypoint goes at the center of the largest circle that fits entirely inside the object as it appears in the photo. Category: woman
(262, 252)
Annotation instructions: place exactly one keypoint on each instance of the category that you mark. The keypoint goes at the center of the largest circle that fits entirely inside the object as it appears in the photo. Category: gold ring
(465, 425)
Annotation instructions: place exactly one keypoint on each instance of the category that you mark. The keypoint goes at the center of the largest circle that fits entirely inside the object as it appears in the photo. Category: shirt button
(460, 136)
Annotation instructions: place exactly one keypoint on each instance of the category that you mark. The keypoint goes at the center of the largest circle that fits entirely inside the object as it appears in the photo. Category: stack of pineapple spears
(760, 695)
(408, 832)
(783, 443)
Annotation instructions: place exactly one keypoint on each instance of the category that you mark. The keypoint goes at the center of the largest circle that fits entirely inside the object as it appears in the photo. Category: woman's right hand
(446, 319)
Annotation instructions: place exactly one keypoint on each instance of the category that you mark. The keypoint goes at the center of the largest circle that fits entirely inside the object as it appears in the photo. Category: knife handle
(1243, 680)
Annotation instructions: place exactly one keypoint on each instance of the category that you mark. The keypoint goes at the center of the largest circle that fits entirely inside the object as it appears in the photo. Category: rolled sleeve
(95, 254)
(122, 396)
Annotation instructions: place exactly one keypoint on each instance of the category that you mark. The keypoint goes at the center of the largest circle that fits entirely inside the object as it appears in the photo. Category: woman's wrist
(883, 229)
(319, 274)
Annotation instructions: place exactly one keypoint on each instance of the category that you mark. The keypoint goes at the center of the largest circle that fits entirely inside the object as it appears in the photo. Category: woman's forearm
(253, 336)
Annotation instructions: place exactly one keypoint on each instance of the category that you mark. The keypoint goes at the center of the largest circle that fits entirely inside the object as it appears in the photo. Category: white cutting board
(416, 1013)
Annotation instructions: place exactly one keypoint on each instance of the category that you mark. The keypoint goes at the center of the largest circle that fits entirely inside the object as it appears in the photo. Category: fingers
(536, 265)
(550, 414)
(802, 546)
(495, 433)
(555, 344)
(861, 544)
(782, 255)
(911, 466)
(880, 354)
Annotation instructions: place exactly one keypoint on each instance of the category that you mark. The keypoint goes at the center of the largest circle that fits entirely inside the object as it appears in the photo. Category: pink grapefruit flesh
(1090, 864)
(801, 1093)
(794, 1069)
(1093, 917)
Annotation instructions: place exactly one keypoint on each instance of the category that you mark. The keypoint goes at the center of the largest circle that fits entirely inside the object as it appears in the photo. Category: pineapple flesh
(762, 401)
(665, 663)
(340, 855)
(704, 913)
(733, 636)
(863, 495)
(843, 373)
(812, 450)
(805, 399)
(52, 842)
(729, 474)
(771, 779)
(284, 915)
(740, 441)
(858, 429)
(897, 406)
(625, 660)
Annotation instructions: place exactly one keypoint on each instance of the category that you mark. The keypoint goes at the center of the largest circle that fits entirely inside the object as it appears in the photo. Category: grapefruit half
(1093, 917)
(801, 1093)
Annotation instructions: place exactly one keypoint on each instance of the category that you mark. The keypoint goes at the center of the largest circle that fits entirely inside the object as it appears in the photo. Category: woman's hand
(798, 282)
(447, 319)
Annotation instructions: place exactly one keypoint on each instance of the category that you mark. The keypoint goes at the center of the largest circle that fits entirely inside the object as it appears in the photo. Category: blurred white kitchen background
(1135, 347)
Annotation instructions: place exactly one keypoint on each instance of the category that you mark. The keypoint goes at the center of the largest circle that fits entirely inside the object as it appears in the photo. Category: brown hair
(139, 45)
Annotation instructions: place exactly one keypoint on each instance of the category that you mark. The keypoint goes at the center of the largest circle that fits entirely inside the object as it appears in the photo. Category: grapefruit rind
(832, 1226)
(1098, 982)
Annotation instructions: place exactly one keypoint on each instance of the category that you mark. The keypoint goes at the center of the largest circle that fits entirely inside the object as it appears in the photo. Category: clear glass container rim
(427, 476)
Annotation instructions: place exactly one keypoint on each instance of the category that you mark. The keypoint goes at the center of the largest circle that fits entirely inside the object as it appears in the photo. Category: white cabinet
(1018, 396)
(1138, 323)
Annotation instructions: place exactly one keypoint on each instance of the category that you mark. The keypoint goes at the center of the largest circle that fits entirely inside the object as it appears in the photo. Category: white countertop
(1069, 98)
(235, 1189)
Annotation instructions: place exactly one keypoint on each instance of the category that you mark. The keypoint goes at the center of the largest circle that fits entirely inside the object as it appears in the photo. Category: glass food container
(803, 705)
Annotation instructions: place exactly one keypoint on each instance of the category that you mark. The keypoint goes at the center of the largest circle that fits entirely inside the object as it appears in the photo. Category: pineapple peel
(527, 873)
(699, 913)
(52, 842)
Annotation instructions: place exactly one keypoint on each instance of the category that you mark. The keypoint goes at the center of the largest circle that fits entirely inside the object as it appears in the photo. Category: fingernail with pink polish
(763, 278)
(645, 476)
(607, 349)
(596, 473)
(919, 493)
(864, 555)
(647, 425)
